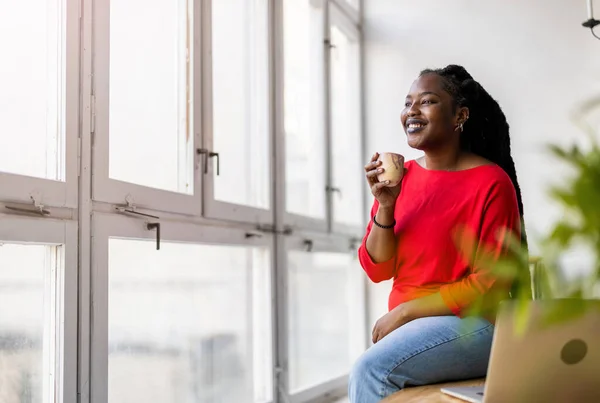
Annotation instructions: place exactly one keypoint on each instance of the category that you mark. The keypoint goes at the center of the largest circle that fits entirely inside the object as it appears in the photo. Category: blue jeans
(424, 351)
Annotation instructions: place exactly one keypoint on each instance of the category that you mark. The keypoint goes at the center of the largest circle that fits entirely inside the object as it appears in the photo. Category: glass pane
(303, 108)
(25, 352)
(240, 101)
(326, 332)
(347, 172)
(151, 93)
(188, 324)
(32, 84)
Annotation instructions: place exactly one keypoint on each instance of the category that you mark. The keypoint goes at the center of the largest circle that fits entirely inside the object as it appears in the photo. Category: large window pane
(347, 174)
(151, 92)
(32, 84)
(189, 323)
(240, 101)
(303, 108)
(325, 316)
(26, 329)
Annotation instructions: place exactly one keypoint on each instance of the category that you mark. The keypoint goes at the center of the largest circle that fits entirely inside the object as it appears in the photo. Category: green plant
(579, 226)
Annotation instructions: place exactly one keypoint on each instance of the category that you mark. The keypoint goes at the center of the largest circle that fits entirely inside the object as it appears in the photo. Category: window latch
(130, 208)
(309, 245)
(37, 208)
(268, 228)
(207, 155)
(253, 234)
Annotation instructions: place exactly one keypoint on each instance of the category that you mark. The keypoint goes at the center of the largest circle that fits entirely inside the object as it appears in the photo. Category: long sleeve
(500, 218)
(377, 272)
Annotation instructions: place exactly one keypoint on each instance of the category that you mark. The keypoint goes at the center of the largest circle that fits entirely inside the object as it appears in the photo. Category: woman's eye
(406, 104)
(427, 101)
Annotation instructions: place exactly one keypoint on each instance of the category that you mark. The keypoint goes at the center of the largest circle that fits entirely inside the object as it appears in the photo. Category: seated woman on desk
(466, 179)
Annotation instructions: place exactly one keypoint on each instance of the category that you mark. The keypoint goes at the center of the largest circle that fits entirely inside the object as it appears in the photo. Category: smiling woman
(464, 188)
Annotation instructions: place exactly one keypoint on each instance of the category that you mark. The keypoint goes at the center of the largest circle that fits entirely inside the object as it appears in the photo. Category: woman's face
(429, 117)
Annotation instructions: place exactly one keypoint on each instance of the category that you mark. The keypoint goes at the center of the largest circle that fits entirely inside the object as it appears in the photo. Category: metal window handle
(309, 245)
(332, 189)
(207, 155)
(329, 44)
(156, 226)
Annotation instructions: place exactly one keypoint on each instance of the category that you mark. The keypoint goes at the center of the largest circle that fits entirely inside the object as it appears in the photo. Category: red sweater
(430, 208)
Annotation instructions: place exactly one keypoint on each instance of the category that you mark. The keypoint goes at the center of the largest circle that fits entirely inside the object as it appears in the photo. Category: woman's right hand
(385, 195)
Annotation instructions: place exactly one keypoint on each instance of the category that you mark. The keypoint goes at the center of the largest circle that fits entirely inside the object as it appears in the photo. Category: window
(162, 170)
(32, 65)
(38, 102)
(25, 331)
(325, 326)
(145, 104)
(304, 119)
(38, 311)
(240, 106)
(191, 321)
(150, 97)
(346, 140)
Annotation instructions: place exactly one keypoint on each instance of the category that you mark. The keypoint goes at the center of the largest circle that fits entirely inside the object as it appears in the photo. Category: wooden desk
(429, 393)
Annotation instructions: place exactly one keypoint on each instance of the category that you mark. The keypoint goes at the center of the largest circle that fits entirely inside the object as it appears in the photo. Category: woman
(464, 184)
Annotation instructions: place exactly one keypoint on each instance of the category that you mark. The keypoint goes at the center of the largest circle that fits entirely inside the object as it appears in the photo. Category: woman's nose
(413, 110)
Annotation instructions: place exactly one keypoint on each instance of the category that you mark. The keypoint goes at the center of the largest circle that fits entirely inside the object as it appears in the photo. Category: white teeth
(414, 125)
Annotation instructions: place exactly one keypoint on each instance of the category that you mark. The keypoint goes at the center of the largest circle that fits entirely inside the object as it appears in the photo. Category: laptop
(546, 363)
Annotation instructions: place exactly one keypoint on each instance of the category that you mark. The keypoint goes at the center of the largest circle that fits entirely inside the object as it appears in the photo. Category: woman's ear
(462, 115)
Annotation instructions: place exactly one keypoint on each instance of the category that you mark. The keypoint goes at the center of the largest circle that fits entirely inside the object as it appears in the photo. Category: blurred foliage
(580, 199)
(578, 227)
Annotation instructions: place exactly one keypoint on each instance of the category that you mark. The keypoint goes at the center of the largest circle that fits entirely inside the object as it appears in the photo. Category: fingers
(372, 165)
(378, 187)
(373, 169)
(372, 174)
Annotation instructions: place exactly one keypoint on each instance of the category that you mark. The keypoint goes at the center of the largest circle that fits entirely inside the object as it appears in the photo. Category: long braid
(486, 132)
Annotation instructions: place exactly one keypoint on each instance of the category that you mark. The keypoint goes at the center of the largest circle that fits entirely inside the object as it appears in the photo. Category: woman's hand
(389, 322)
(385, 195)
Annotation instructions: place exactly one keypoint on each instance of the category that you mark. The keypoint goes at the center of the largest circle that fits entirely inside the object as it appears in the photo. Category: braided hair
(486, 132)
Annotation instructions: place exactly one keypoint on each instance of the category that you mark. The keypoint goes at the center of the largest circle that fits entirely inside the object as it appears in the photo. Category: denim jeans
(424, 351)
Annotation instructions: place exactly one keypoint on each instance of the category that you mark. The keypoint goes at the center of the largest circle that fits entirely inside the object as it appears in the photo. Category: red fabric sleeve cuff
(449, 301)
(377, 272)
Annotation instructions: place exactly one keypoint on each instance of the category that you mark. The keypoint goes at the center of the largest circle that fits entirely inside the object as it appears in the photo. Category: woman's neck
(442, 160)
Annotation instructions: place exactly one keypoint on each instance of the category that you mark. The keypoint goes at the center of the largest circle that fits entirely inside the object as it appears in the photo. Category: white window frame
(106, 226)
(118, 192)
(46, 192)
(49, 232)
(338, 18)
(213, 208)
(320, 242)
(293, 220)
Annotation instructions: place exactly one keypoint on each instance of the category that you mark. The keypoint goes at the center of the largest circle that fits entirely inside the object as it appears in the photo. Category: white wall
(533, 56)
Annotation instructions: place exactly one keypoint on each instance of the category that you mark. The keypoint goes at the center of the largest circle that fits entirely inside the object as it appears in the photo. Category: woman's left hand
(389, 322)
